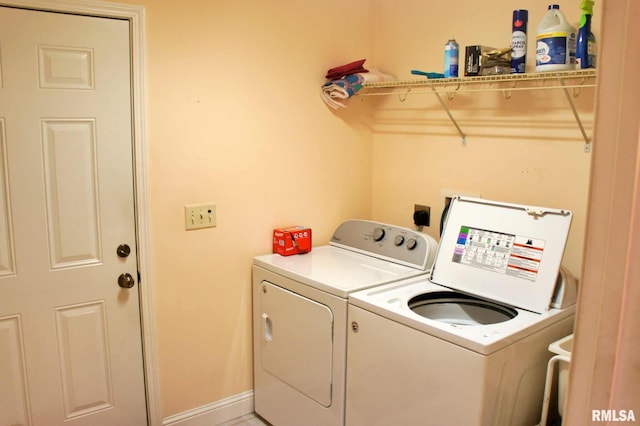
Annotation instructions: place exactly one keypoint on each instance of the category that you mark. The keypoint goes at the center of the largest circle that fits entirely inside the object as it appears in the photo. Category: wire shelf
(488, 83)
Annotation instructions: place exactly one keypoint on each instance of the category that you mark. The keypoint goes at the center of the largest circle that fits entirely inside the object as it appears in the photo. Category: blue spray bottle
(586, 46)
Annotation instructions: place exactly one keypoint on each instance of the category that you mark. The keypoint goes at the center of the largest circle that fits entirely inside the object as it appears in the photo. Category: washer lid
(508, 253)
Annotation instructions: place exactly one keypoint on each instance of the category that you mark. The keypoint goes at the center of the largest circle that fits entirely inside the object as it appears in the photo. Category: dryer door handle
(267, 327)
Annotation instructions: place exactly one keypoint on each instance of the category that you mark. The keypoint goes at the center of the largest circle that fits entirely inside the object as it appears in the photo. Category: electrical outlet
(199, 216)
(421, 215)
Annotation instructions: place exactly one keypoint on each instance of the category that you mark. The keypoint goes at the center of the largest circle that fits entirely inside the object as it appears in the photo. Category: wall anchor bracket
(453, 120)
(587, 141)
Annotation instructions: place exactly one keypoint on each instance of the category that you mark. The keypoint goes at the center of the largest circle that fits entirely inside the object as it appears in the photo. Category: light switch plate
(199, 216)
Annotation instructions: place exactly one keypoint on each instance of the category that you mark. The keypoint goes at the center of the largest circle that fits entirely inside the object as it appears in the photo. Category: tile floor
(248, 420)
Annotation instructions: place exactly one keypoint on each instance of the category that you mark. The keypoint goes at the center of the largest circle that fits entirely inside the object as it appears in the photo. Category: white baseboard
(214, 413)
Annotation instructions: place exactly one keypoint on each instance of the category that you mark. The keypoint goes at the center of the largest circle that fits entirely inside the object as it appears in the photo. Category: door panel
(7, 265)
(13, 392)
(65, 68)
(71, 336)
(70, 170)
(84, 358)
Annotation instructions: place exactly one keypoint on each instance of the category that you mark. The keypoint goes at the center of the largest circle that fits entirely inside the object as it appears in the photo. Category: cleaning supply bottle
(451, 56)
(556, 42)
(586, 46)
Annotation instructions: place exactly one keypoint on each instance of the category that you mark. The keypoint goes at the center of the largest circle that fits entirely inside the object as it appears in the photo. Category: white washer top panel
(391, 301)
(399, 245)
(503, 252)
(335, 270)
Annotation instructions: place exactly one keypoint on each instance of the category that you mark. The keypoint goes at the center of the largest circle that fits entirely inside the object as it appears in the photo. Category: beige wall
(527, 149)
(235, 118)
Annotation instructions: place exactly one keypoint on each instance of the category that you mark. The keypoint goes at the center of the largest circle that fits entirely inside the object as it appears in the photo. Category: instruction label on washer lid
(514, 255)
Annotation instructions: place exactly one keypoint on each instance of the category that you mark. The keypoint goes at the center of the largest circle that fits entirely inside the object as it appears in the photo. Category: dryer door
(296, 339)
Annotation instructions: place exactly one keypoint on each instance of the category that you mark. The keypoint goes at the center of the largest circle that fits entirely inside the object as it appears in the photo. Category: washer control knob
(412, 243)
(399, 240)
(378, 234)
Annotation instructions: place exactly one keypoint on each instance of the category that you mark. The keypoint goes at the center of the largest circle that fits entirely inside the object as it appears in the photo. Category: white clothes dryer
(300, 316)
(467, 345)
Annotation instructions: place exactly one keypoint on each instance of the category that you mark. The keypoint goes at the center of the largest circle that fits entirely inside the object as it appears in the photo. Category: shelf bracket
(587, 141)
(557, 80)
(453, 120)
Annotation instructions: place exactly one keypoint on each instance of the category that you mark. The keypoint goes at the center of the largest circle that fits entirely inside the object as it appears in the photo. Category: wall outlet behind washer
(421, 215)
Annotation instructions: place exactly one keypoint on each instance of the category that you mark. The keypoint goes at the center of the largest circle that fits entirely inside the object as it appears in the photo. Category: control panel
(393, 243)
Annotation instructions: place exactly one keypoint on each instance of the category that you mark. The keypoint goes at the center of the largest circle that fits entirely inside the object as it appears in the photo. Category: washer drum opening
(459, 309)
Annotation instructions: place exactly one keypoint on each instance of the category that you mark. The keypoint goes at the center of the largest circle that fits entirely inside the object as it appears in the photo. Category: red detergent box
(294, 240)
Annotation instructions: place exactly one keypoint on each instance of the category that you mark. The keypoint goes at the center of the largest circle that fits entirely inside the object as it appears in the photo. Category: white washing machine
(300, 316)
(468, 345)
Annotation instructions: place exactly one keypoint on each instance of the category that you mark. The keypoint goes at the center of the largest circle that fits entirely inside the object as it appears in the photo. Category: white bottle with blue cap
(556, 42)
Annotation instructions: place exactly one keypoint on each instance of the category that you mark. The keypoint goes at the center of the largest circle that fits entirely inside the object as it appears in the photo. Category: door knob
(123, 250)
(126, 281)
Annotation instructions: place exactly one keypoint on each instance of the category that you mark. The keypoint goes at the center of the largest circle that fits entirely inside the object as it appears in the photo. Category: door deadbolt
(126, 281)
(123, 250)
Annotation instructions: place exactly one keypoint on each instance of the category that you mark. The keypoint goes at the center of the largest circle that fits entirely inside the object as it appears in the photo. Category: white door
(70, 336)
